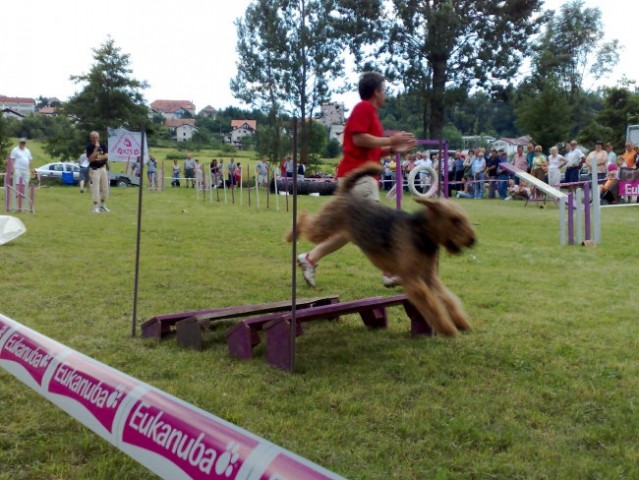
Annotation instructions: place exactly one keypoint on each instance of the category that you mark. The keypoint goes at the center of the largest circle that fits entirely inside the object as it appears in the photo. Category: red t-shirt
(363, 119)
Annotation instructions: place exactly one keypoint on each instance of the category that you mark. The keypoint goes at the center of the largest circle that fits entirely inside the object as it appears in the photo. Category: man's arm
(399, 142)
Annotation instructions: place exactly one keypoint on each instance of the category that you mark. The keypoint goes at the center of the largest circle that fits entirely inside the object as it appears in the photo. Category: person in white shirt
(84, 171)
(21, 158)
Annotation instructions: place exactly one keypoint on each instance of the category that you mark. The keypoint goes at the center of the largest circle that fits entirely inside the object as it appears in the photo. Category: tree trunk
(437, 103)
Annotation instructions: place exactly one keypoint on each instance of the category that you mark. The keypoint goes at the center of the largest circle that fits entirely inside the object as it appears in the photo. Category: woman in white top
(555, 164)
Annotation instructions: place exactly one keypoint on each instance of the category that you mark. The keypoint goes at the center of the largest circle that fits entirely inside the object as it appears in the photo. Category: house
(181, 129)
(509, 145)
(474, 141)
(171, 109)
(332, 114)
(241, 129)
(9, 113)
(336, 132)
(49, 111)
(208, 112)
(20, 105)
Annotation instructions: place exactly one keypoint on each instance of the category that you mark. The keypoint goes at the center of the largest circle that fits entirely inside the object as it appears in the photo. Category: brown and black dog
(400, 243)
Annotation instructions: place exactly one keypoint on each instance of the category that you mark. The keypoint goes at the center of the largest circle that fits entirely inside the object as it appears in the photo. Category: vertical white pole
(562, 221)
(579, 237)
(596, 211)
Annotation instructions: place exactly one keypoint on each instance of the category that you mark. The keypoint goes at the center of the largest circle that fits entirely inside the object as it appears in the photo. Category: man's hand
(402, 142)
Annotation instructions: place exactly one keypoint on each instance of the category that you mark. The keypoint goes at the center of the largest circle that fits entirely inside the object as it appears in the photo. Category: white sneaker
(308, 268)
(390, 281)
(95, 209)
(508, 198)
(104, 208)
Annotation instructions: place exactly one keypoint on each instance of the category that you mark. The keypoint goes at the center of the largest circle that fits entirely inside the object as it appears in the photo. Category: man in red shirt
(363, 142)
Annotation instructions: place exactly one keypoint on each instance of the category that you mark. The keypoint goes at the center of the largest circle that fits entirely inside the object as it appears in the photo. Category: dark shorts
(189, 173)
(84, 173)
(572, 174)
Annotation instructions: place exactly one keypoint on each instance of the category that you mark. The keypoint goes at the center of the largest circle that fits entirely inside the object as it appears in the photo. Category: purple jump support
(242, 337)
(162, 325)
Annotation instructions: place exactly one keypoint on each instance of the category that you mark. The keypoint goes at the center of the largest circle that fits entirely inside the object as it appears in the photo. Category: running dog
(400, 243)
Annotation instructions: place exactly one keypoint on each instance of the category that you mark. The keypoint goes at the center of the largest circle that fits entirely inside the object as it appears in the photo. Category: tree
(439, 44)
(620, 109)
(5, 141)
(572, 52)
(289, 52)
(544, 113)
(110, 97)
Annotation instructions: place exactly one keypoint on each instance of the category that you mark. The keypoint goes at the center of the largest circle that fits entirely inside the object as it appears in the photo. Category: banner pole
(138, 234)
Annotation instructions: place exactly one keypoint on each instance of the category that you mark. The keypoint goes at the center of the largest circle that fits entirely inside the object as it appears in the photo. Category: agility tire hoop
(430, 171)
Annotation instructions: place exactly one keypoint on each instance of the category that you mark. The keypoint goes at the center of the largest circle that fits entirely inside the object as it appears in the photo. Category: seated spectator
(518, 192)
(608, 190)
(467, 191)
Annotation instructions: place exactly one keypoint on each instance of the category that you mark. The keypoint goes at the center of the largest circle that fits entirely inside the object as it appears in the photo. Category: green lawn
(545, 386)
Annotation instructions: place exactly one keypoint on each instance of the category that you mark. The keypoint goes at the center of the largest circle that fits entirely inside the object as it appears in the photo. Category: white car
(55, 170)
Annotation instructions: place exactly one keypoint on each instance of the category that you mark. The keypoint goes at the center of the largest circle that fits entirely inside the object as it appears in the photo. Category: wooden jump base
(242, 337)
(162, 325)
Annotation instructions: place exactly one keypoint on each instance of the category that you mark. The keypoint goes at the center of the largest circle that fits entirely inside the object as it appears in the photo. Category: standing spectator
(491, 172)
(458, 171)
(288, 166)
(555, 164)
(151, 170)
(199, 175)
(231, 168)
(387, 175)
(574, 158)
(629, 155)
(22, 158)
(612, 156)
(597, 160)
(530, 154)
(301, 170)
(502, 175)
(175, 174)
(539, 167)
(215, 173)
(222, 171)
(520, 161)
(135, 167)
(261, 172)
(189, 171)
(84, 171)
(238, 174)
(98, 156)
(478, 167)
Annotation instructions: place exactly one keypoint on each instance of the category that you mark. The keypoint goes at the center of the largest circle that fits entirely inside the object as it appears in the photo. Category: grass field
(545, 386)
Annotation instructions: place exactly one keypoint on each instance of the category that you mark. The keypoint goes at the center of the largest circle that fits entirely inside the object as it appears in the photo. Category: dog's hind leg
(430, 306)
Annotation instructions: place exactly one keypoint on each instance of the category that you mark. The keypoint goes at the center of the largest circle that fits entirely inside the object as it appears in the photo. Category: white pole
(562, 221)
(579, 200)
(257, 188)
(277, 193)
(241, 185)
(596, 211)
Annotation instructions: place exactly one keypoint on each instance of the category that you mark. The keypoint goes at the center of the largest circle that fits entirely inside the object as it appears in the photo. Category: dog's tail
(367, 170)
(299, 227)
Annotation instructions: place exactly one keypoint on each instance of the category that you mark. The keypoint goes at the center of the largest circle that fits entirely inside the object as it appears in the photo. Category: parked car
(123, 180)
(55, 170)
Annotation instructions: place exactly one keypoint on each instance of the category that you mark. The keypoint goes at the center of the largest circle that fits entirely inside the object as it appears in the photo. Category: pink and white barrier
(168, 436)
